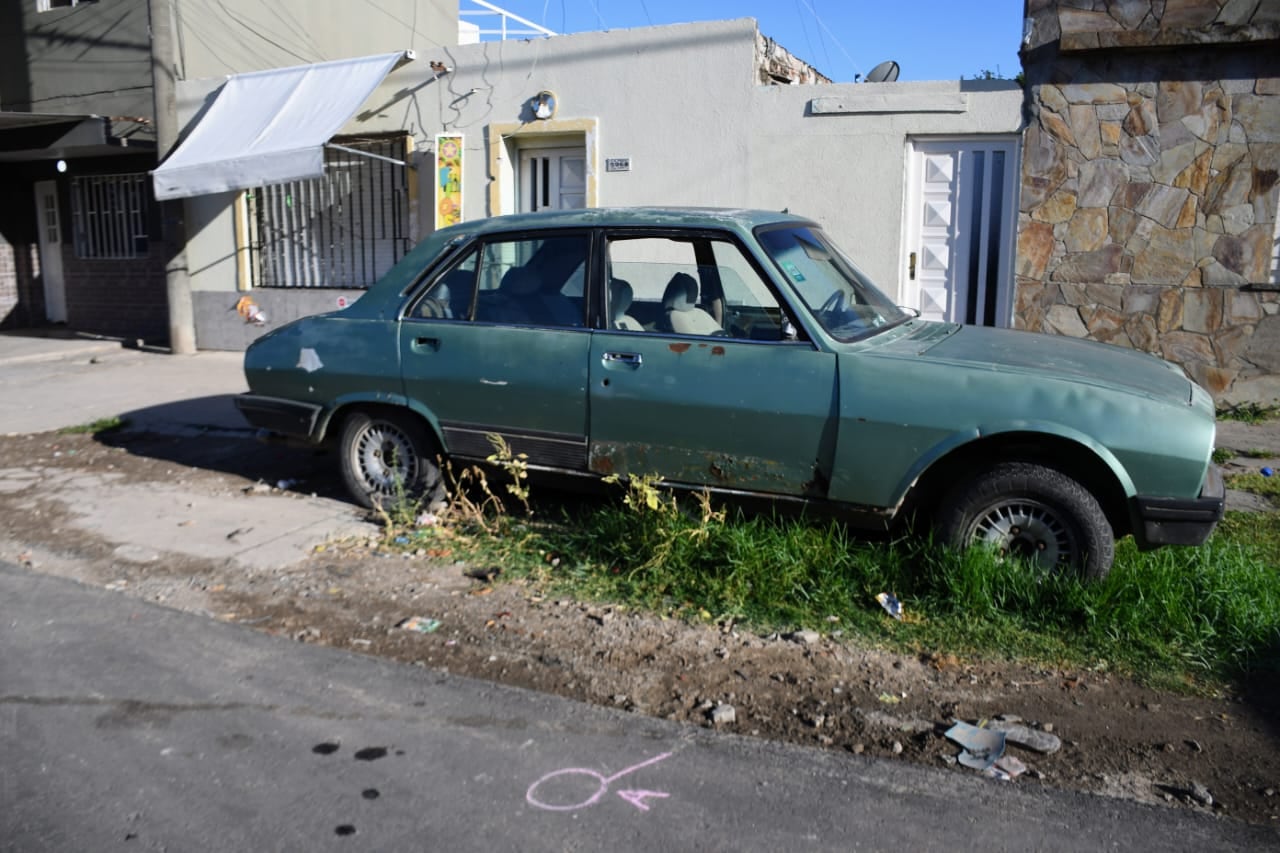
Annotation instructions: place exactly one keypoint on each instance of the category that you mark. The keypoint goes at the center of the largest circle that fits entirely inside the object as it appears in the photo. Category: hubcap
(1028, 530)
(385, 458)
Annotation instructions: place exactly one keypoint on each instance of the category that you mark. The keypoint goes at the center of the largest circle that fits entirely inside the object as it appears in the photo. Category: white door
(960, 219)
(50, 226)
(552, 179)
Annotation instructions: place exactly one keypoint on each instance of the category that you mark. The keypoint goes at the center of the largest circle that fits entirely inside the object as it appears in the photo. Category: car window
(449, 297)
(532, 281)
(691, 286)
(837, 293)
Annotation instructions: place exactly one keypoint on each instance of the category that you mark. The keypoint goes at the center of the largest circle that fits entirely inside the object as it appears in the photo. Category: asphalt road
(126, 726)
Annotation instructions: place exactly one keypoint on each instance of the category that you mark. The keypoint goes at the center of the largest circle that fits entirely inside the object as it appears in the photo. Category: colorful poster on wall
(448, 179)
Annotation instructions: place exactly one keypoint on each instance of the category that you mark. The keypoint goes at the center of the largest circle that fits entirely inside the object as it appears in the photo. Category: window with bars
(47, 5)
(109, 214)
(344, 229)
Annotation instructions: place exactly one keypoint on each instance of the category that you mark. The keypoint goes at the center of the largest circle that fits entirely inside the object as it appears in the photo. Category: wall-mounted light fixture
(544, 105)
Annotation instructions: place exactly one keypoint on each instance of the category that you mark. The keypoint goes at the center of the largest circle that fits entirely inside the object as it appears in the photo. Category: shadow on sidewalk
(209, 434)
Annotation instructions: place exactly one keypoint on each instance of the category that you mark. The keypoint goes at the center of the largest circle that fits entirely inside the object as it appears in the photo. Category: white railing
(522, 28)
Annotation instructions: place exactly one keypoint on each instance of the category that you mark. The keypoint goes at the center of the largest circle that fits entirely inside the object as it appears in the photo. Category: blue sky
(930, 39)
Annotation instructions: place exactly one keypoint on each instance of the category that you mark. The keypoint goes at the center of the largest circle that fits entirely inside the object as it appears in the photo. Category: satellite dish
(885, 72)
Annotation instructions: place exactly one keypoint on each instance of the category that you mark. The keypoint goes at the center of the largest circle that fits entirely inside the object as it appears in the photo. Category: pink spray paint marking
(637, 798)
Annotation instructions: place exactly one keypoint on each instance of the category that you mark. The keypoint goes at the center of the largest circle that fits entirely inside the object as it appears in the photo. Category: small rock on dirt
(1200, 794)
(723, 715)
(806, 638)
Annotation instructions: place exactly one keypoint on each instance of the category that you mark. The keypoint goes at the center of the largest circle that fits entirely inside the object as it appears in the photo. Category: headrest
(620, 296)
(681, 293)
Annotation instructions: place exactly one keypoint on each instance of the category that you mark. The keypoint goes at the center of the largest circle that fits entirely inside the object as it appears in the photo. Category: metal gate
(342, 230)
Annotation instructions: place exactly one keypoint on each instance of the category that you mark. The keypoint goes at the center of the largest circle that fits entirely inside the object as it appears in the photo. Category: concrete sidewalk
(50, 382)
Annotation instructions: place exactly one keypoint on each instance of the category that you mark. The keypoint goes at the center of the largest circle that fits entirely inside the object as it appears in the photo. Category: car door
(497, 344)
(705, 386)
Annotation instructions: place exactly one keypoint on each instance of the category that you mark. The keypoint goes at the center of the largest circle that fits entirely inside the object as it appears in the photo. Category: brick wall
(21, 294)
(119, 298)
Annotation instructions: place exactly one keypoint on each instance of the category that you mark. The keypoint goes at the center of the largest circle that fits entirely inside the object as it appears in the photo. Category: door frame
(505, 140)
(51, 269)
(912, 217)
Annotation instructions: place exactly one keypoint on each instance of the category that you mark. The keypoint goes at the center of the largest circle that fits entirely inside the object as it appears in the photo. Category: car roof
(675, 217)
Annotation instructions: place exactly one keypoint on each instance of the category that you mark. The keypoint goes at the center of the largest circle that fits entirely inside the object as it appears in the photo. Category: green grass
(1258, 453)
(1249, 413)
(1223, 454)
(95, 427)
(1256, 483)
(1184, 616)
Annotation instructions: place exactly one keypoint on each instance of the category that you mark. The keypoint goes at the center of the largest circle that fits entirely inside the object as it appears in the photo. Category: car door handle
(422, 344)
(623, 359)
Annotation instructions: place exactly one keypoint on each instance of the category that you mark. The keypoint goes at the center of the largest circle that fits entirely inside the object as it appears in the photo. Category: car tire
(388, 456)
(1032, 511)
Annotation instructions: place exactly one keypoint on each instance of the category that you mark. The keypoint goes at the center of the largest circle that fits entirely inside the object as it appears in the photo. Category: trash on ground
(286, 484)
(891, 604)
(485, 575)
(979, 748)
(428, 519)
(1007, 768)
(1267, 472)
(890, 699)
(1024, 736)
(421, 624)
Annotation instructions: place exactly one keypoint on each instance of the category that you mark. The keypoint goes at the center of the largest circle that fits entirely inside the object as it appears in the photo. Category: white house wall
(681, 102)
(846, 168)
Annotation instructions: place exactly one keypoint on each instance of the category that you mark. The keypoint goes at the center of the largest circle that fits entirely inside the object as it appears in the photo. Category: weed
(1256, 483)
(1222, 454)
(1249, 413)
(1259, 453)
(98, 427)
(516, 466)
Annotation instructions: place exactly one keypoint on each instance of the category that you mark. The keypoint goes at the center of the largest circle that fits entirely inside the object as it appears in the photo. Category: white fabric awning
(268, 127)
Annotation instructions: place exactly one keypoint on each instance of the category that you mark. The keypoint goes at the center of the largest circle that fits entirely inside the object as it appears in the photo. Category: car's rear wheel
(1028, 511)
(389, 456)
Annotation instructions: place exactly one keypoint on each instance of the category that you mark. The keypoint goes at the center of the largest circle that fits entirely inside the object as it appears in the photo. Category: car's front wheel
(1033, 512)
(389, 456)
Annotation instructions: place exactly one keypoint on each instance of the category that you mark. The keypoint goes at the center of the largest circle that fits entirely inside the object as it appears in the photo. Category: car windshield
(837, 293)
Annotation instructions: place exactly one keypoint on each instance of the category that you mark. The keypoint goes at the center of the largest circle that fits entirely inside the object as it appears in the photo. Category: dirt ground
(1216, 754)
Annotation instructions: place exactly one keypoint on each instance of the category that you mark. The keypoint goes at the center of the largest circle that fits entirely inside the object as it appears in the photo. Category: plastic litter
(891, 604)
(420, 624)
(980, 748)
(1267, 472)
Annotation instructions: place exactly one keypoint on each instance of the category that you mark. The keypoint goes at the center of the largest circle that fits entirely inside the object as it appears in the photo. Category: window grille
(344, 229)
(47, 5)
(109, 216)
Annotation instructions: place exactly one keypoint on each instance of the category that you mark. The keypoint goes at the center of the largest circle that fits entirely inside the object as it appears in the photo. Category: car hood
(1053, 355)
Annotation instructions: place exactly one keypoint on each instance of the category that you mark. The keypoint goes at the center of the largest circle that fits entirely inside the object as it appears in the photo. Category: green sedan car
(742, 352)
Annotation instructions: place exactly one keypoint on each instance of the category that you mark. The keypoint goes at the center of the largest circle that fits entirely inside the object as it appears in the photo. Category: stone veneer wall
(1149, 183)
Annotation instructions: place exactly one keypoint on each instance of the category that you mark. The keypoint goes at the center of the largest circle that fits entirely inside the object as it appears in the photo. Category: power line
(827, 30)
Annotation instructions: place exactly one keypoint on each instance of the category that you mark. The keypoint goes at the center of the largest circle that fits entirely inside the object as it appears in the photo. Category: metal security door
(552, 179)
(960, 217)
(50, 227)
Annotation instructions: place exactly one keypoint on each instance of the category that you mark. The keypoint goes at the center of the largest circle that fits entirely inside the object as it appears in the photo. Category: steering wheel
(833, 305)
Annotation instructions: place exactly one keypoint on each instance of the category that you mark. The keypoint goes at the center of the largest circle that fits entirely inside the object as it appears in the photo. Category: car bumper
(1182, 521)
(274, 414)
